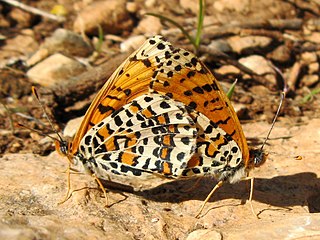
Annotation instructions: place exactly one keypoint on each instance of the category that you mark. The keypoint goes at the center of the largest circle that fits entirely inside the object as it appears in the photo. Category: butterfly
(162, 112)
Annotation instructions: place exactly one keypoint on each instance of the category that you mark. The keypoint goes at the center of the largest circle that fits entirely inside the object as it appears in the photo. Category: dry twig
(238, 27)
(34, 10)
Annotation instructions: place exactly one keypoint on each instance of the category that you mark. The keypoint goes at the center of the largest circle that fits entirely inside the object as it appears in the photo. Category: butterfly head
(257, 158)
(77, 162)
(61, 147)
(64, 148)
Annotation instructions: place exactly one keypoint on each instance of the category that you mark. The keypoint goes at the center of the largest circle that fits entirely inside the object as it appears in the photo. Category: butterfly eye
(258, 157)
(64, 147)
(61, 147)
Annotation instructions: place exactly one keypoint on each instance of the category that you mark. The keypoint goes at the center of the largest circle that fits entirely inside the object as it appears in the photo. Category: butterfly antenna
(35, 93)
(37, 131)
(283, 95)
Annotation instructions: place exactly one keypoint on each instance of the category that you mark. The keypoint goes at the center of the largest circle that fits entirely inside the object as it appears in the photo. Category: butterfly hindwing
(216, 150)
(152, 134)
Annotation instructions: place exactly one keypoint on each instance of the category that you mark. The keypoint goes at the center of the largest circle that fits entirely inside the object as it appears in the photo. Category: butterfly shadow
(301, 189)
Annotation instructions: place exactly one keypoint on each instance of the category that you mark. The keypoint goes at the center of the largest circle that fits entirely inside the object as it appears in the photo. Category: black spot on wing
(148, 99)
(192, 105)
(180, 156)
(87, 140)
(198, 90)
(194, 61)
(207, 87)
(152, 42)
(118, 120)
(161, 46)
(125, 169)
(113, 97)
(178, 68)
(164, 105)
(188, 93)
(223, 122)
(191, 74)
(185, 140)
(146, 62)
(104, 109)
(127, 92)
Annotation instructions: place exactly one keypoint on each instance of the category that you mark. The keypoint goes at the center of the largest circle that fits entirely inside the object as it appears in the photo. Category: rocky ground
(265, 45)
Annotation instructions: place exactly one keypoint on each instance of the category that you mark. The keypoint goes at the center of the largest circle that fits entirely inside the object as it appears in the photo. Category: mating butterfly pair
(162, 112)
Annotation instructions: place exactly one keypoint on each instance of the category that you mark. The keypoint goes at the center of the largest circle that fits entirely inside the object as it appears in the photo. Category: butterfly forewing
(130, 80)
(185, 78)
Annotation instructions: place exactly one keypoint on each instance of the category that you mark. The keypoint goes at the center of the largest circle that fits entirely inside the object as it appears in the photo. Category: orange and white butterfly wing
(217, 153)
(157, 67)
(130, 80)
(151, 134)
(183, 77)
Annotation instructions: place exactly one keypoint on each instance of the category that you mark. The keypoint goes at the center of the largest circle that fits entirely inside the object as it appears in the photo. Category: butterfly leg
(69, 193)
(216, 187)
(67, 196)
(251, 194)
(102, 188)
